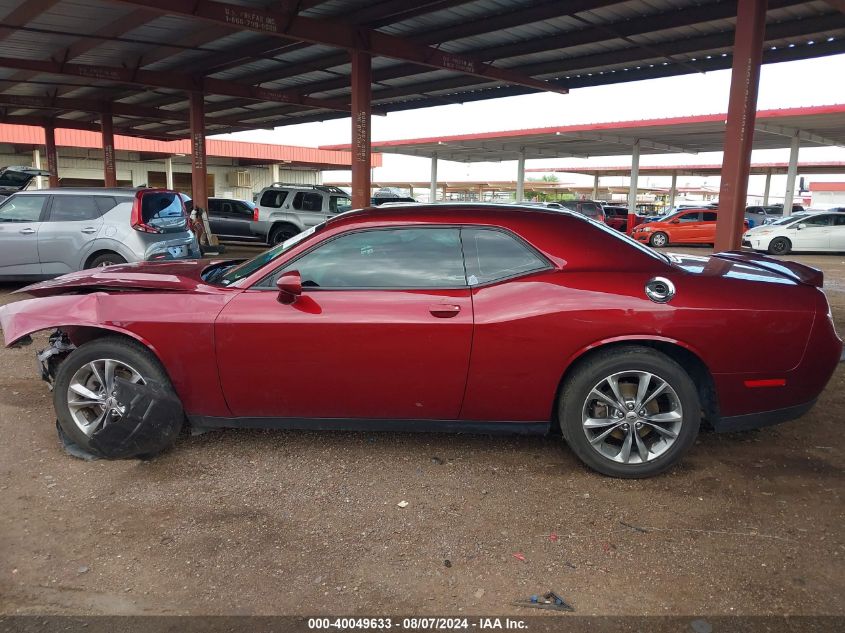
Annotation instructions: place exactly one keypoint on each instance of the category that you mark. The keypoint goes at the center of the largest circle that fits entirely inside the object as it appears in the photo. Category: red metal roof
(819, 126)
(827, 186)
(254, 152)
(808, 167)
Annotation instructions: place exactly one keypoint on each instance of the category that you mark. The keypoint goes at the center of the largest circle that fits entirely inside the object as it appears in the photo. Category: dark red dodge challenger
(447, 317)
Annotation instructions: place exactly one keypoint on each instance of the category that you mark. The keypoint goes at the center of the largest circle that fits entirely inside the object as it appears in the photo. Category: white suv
(285, 209)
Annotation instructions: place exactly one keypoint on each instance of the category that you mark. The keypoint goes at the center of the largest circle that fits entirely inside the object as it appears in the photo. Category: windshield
(789, 219)
(248, 267)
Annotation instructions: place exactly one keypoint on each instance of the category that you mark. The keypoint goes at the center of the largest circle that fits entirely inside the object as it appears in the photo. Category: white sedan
(799, 232)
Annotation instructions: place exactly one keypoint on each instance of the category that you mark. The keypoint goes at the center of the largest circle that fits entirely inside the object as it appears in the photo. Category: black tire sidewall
(133, 354)
(587, 374)
(665, 239)
(280, 234)
(112, 258)
(780, 251)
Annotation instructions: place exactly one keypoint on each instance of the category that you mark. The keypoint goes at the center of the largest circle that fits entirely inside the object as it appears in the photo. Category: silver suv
(285, 209)
(50, 232)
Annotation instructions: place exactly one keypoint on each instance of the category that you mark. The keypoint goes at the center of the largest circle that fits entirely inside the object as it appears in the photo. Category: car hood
(181, 275)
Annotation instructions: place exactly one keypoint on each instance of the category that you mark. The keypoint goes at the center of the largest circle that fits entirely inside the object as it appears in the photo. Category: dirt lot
(251, 522)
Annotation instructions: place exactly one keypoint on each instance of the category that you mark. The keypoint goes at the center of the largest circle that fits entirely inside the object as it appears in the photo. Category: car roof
(68, 191)
(408, 210)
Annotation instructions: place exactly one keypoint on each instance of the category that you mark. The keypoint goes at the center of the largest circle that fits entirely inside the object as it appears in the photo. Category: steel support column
(199, 165)
(791, 173)
(168, 172)
(632, 190)
(361, 114)
(432, 190)
(52, 155)
(596, 186)
(109, 167)
(768, 187)
(275, 175)
(673, 190)
(36, 162)
(520, 177)
(739, 128)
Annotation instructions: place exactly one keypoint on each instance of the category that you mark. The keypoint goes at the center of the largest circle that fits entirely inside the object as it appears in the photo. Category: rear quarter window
(492, 255)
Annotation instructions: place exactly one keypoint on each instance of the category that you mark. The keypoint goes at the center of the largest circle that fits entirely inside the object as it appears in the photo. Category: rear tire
(659, 239)
(106, 259)
(640, 432)
(280, 233)
(84, 369)
(780, 246)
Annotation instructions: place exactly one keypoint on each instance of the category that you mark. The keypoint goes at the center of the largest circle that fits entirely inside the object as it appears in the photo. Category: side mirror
(290, 286)
(802, 225)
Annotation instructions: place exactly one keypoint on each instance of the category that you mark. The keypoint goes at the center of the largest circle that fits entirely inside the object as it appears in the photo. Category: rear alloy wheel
(281, 233)
(106, 259)
(85, 394)
(659, 239)
(780, 246)
(630, 412)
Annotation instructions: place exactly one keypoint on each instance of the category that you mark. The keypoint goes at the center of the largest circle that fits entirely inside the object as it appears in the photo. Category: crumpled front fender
(21, 318)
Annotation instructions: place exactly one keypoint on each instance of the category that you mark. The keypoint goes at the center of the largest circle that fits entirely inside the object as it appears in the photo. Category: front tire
(780, 246)
(659, 239)
(629, 412)
(84, 388)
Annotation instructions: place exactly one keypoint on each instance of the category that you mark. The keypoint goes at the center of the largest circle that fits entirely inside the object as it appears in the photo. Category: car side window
(386, 258)
(690, 217)
(839, 220)
(105, 203)
(492, 255)
(22, 208)
(819, 220)
(339, 204)
(214, 207)
(73, 209)
(709, 216)
(307, 201)
(274, 199)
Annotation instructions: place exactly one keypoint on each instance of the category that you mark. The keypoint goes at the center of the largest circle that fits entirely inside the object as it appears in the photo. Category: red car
(689, 226)
(447, 317)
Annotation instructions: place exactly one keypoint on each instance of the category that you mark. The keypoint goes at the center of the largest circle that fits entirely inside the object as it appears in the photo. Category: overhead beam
(25, 13)
(172, 80)
(319, 31)
(620, 140)
(152, 115)
(801, 134)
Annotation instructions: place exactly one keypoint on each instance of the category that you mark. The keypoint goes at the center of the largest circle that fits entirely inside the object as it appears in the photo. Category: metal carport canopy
(815, 127)
(69, 61)
(776, 168)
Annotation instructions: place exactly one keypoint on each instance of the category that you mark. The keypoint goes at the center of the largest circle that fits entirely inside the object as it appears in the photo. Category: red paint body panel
(392, 354)
(345, 354)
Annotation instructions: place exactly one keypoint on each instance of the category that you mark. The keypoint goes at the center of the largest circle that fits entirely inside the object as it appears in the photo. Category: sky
(783, 85)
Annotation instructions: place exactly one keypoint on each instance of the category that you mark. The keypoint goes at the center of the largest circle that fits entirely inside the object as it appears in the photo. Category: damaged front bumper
(51, 356)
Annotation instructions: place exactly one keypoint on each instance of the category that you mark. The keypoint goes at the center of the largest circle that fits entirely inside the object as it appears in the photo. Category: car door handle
(27, 231)
(89, 229)
(444, 310)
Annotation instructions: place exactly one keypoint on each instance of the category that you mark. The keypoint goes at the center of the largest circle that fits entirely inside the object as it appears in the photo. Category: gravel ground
(261, 522)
